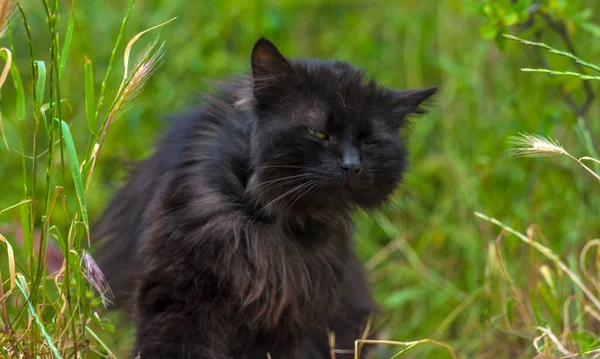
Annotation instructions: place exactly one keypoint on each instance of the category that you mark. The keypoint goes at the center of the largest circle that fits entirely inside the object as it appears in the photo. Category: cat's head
(326, 139)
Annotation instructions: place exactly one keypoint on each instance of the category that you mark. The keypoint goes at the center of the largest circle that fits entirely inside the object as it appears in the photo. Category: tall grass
(436, 270)
(560, 311)
(55, 311)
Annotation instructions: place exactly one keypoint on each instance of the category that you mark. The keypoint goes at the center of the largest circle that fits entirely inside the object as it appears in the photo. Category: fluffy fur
(233, 240)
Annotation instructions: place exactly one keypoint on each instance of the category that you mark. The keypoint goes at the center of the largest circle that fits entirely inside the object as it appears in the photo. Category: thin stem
(548, 253)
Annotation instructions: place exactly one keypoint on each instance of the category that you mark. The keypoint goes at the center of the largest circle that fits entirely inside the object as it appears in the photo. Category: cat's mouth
(351, 183)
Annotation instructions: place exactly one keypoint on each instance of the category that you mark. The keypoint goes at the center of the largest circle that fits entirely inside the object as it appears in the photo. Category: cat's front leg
(170, 327)
(176, 350)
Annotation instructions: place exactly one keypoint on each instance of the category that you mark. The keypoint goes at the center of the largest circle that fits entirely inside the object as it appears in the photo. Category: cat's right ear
(271, 72)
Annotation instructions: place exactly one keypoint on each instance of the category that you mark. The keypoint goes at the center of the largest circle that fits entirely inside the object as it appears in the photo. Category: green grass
(441, 274)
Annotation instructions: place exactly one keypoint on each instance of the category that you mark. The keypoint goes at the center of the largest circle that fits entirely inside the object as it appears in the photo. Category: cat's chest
(325, 252)
(319, 235)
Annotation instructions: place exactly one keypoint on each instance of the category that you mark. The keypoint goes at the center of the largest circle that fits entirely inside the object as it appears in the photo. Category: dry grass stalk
(547, 333)
(130, 44)
(582, 262)
(547, 344)
(3, 77)
(130, 88)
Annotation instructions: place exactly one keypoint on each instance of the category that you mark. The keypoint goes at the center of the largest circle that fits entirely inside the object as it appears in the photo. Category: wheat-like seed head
(6, 7)
(529, 145)
(147, 63)
(96, 278)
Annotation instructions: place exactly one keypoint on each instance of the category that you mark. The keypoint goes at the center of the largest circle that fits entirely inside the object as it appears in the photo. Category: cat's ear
(271, 72)
(410, 101)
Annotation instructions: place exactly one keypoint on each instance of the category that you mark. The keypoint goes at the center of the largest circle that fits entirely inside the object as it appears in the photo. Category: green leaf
(26, 225)
(75, 172)
(100, 342)
(40, 67)
(509, 310)
(511, 18)
(489, 30)
(592, 346)
(41, 82)
(22, 284)
(68, 37)
(401, 297)
(586, 341)
(90, 104)
(536, 308)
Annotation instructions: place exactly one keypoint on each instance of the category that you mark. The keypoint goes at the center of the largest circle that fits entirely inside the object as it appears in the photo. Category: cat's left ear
(410, 101)
(272, 73)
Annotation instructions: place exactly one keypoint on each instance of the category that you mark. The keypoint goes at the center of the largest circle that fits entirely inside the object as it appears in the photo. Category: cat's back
(206, 147)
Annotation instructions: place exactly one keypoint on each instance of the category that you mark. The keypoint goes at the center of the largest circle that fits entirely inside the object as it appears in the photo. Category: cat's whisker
(294, 189)
(280, 166)
(277, 180)
(302, 194)
(297, 195)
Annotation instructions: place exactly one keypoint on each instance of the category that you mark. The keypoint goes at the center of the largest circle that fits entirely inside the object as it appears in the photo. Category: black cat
(234, 239)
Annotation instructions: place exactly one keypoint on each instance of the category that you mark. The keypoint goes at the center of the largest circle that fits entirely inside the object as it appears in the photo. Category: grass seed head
(147, 63)
(529, 145)
(6, 7)
(96, 278)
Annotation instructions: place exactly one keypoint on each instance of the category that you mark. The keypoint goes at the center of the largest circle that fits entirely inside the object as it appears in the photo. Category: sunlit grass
(51, 311)
(438, 272)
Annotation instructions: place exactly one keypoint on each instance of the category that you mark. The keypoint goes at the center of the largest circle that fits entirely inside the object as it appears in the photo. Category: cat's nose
(350, 168)
(350, 162)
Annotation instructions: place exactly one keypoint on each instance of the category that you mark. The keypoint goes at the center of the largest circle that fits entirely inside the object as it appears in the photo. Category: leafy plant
(54, 309)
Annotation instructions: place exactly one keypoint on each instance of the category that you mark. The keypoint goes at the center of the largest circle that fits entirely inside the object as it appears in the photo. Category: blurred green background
(427, 253)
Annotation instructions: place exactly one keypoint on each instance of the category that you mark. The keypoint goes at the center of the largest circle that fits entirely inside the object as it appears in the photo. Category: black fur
(233, 240)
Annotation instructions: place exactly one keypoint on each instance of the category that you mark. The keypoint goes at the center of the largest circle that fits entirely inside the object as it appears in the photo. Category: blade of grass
(403, 351)
(91, 332)
(31, 54)
(11, 262)
(28, 214)
(563, 73)
(554, 51)
(3, 134)
(75, 172)
(359, 344)
(90, 102)
(112, 56)
(41, 81)
(40, 67)
(68, 37)
(22, 285)
(15, 206)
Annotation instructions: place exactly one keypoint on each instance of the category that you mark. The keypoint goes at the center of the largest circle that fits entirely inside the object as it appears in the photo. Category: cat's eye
(317, 134)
